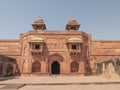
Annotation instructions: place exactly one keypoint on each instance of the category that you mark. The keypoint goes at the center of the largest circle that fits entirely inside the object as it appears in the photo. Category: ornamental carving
(56, 43)
(37, 56)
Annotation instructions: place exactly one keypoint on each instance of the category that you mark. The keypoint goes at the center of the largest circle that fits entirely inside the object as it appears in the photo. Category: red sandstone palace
(65, 52)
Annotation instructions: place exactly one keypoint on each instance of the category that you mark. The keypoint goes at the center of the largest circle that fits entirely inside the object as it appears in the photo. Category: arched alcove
(74, 67)
(36, 66)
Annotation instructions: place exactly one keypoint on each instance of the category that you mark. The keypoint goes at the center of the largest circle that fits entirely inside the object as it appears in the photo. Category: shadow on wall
(8, 66)
(108, 68)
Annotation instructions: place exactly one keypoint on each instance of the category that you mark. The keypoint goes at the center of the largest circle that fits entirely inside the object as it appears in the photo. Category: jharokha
(45, 52)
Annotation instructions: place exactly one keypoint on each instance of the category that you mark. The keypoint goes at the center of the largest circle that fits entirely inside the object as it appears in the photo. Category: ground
(73, 87)
(59, 83)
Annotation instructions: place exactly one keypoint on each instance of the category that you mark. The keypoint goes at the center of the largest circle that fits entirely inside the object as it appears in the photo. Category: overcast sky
(101, 18)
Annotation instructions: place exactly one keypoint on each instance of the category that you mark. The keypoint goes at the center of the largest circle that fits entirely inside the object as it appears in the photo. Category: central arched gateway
(55, 68)
(54, 64)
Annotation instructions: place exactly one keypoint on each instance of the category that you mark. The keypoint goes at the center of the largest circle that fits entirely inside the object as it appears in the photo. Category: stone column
(4, 69)
(14, 69)
(1, 69)
(82, 67)
(96, 68)
(103, 68)
(43, 67)
(70, 47)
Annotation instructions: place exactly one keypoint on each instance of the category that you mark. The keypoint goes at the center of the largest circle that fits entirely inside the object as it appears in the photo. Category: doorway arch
(54, 62)
(55, 67)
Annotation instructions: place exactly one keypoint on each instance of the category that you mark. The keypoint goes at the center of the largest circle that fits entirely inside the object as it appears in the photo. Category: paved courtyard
(73, 87)
(60, 83)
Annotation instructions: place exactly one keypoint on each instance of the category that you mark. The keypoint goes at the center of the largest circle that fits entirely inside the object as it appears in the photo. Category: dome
(39, 20)
(72, 25)
(72, 21)
(39, 24)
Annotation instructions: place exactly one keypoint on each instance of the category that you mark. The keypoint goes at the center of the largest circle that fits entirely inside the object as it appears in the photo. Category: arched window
(74, 67)
(36, 66)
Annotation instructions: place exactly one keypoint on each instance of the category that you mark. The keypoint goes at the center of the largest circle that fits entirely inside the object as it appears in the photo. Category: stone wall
(108, 68)
(10, 47)
(107, 48)
(56, 43)
(8, 66)
(103, 49)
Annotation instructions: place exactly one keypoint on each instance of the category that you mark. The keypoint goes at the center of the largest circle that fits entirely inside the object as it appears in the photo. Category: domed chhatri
(72, 21)
(72, 25)
(39, 24)
(39, 20)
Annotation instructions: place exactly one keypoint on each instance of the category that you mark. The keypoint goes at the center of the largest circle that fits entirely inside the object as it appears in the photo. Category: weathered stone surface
(108, 68)
(7, 66)
(12, 86)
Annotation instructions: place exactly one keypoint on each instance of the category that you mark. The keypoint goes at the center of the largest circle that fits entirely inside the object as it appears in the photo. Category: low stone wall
(7, 66)
(108, 68)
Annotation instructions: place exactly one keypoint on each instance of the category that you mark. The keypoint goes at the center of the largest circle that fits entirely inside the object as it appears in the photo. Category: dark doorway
(55, 68)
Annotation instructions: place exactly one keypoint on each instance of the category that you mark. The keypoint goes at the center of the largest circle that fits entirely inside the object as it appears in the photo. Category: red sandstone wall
(10, 47)
(101, 50)
(105, 47)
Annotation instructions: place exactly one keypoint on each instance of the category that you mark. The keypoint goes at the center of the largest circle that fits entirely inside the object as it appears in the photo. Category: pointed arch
(56, 56)
(36, 66)
(74, 67)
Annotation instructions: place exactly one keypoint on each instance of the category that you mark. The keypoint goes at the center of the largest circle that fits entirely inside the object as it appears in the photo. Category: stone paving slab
(60, 83)
(47, 80)
(2, 86)
(71, 87)
(12, 86)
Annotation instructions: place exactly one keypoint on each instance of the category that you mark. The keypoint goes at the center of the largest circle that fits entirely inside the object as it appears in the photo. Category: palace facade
(65, 52)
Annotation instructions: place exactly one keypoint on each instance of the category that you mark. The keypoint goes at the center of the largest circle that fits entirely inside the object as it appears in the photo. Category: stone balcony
(34, 51)
(75, 51)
